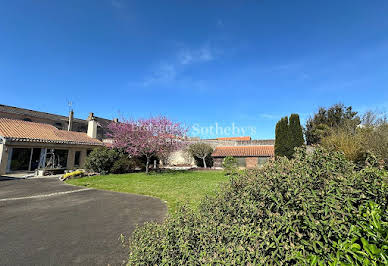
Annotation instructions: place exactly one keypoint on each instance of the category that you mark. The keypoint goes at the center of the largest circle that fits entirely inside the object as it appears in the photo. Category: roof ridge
(19, 130)
(39, 112)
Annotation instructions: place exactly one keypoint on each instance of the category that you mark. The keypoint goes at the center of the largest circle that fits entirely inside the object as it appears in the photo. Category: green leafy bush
(349, 144)
(126, 165)
(230, 165)
(366, 244)
(101, 160)
(369, 240)
(284, 211)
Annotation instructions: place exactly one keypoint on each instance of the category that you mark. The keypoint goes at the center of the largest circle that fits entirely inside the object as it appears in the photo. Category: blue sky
(205, 63)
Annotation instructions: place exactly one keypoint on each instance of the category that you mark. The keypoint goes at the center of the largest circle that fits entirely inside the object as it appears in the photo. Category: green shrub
(101, 160)
(230, 165)
(284, 211)
(366, 244)
(349, 144)
(126, 165)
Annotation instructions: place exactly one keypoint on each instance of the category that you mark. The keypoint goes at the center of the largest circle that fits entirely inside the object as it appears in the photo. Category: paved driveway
(46, 222)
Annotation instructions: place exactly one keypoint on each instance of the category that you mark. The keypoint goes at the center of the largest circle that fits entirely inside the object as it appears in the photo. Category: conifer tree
(288, 135)
(281, 138)
(295, 133)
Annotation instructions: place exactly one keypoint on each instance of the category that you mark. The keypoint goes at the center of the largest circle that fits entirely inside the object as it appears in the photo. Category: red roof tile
(245, 151)
(17, 130)
(236, 138)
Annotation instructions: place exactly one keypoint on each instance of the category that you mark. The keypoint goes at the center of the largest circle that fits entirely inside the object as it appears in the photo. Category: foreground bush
(284, 213)
(366, 244)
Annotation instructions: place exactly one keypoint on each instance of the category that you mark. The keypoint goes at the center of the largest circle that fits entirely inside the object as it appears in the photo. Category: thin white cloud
(303, 116)
(165, 73)
(270, 116)
(169, 72)
(187, 56)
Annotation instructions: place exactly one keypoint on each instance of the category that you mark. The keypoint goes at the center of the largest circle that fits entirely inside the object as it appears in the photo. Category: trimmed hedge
(287, 212)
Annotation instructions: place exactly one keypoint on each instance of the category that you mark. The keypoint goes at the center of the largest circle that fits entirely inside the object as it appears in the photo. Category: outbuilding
(247, 156)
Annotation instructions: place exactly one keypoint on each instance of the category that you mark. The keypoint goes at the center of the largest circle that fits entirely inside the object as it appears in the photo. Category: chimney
(71, 117)
(92, 126)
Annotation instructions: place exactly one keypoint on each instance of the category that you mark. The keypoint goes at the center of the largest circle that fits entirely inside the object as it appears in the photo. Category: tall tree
(281, 138)
(295, 133)
(156, 136)
(325, 120)
(201, 150)
(288, 135)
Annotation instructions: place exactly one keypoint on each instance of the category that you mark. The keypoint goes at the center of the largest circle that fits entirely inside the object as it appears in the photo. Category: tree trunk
(204, 162)
(147, 164)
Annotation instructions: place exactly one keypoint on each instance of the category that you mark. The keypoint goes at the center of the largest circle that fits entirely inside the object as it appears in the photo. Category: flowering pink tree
(156, 136)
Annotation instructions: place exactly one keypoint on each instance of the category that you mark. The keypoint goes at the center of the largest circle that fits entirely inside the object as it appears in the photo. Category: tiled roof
(245, 151)
(236, 138)
(32, 113)
(17, 130)
(22, 111)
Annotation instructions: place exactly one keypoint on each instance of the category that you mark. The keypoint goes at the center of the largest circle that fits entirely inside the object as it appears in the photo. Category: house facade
(247, 156)
(27, 146)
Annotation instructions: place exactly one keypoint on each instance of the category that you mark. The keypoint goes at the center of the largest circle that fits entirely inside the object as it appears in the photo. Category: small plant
(230, 165)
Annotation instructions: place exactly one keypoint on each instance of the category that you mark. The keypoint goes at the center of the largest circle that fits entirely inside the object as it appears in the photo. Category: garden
(325, 205)
(314, 209)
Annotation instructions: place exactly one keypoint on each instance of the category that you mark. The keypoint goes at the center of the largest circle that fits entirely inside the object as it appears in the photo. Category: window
(241, 162)
(56, 158)
(24, 159)
(58, 125)
(88, 152)
(20, 159)
(77, 158)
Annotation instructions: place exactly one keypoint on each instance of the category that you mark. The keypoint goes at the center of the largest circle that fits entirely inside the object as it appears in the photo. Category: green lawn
(174, 187)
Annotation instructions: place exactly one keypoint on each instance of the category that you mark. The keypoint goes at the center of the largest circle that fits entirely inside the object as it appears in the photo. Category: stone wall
(256, 142)
(251, 162)
(182, 157)
(217, 162)
(179, 158)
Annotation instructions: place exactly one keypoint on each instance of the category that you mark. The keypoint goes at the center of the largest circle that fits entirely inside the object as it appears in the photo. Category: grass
(174, 187)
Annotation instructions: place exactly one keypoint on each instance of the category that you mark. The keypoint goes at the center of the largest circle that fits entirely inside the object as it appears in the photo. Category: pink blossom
(155, 136)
